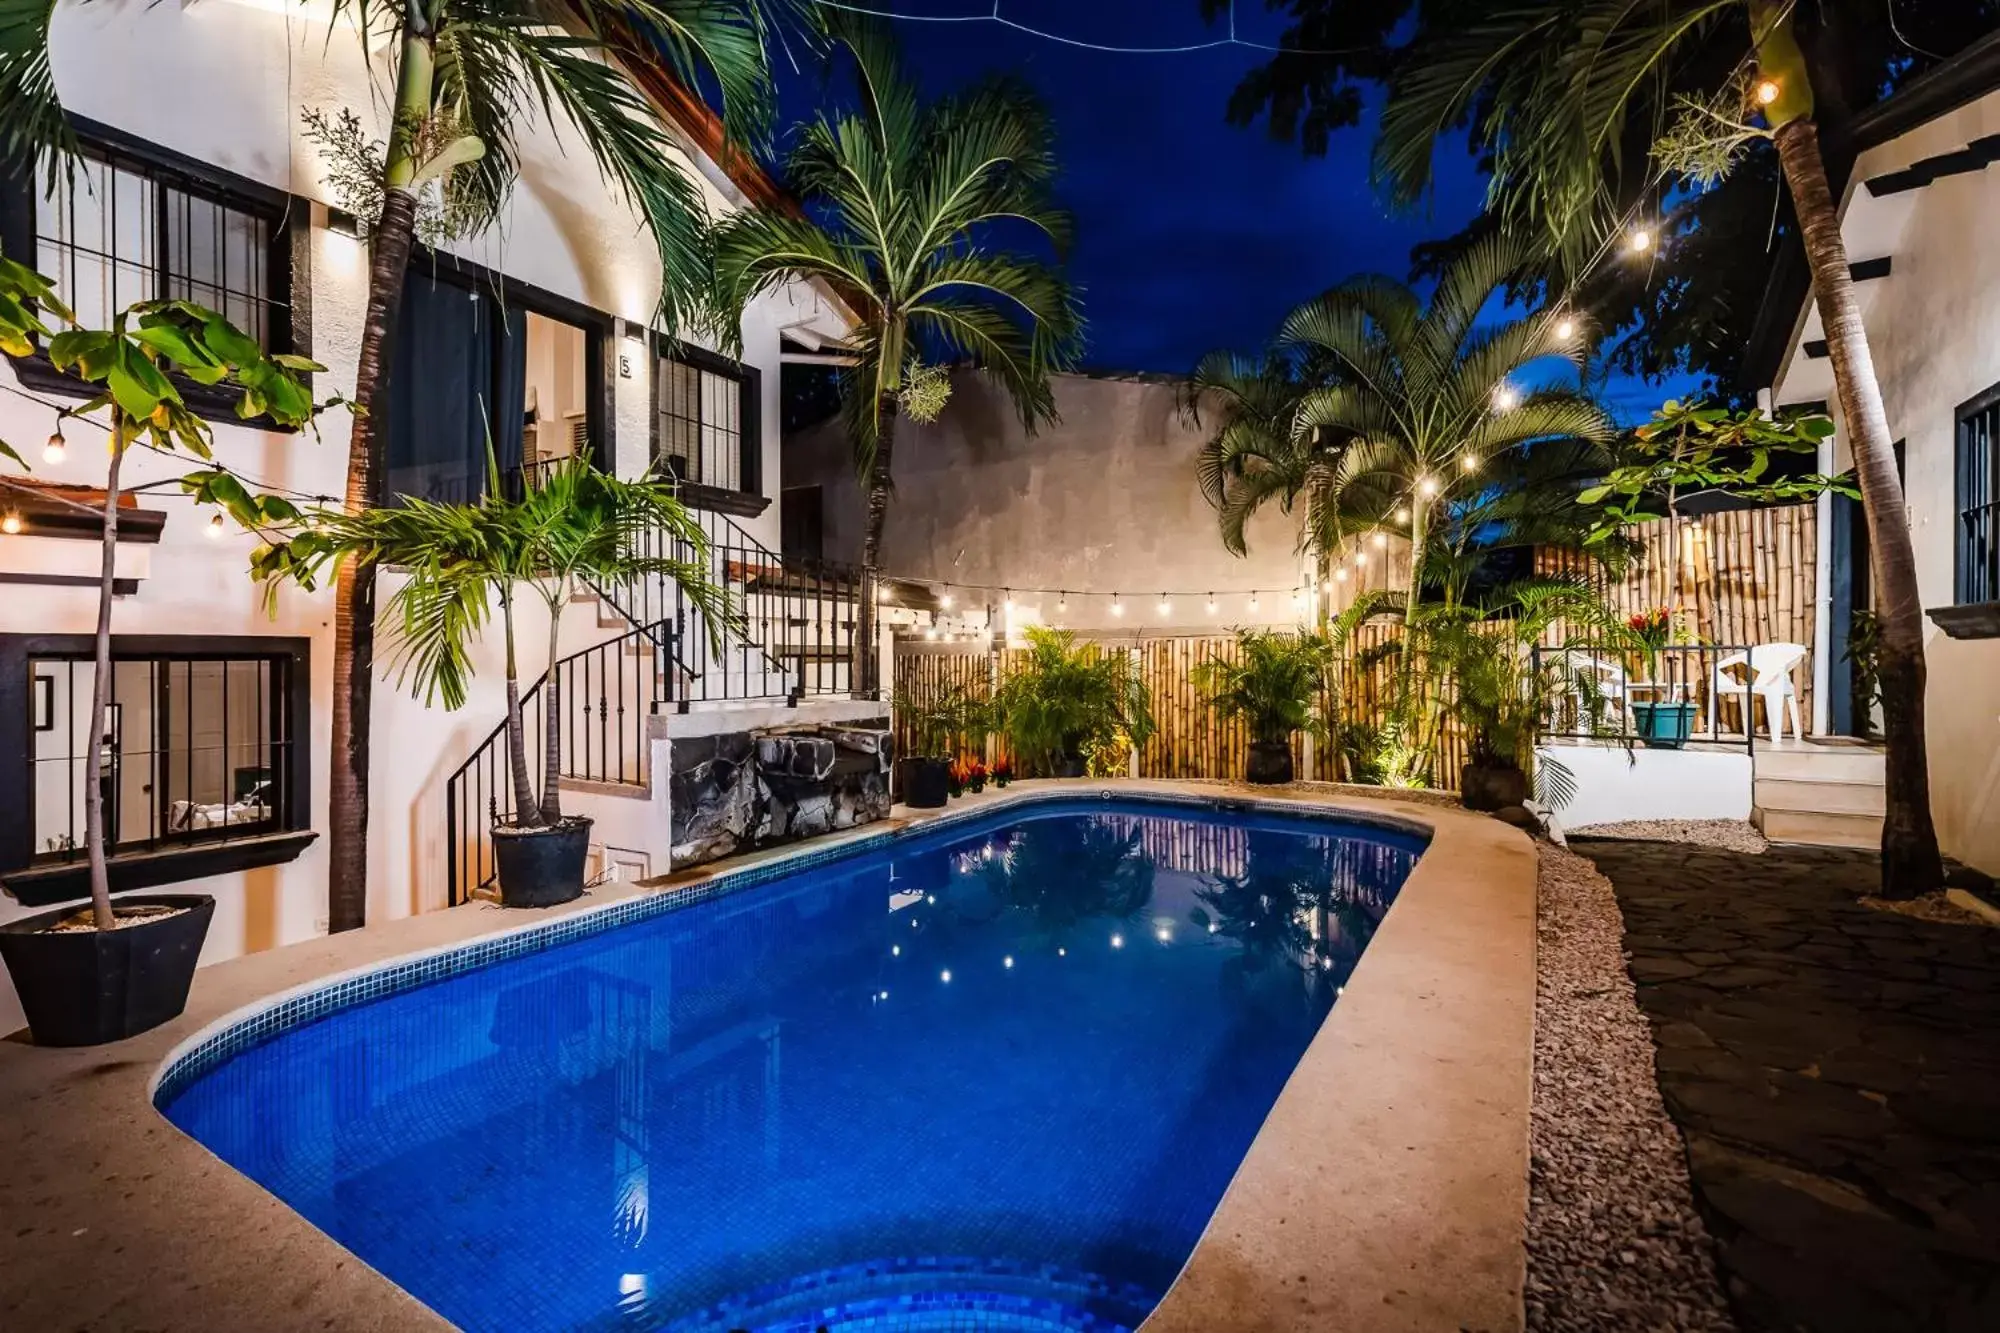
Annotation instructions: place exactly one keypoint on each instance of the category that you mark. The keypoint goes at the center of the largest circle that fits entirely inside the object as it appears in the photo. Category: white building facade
(1917, 217)
(541, 329)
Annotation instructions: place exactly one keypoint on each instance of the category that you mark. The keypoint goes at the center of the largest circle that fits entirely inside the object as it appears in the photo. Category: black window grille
(120, 229)
(702, 404)
(1977, 560)
(198, 747)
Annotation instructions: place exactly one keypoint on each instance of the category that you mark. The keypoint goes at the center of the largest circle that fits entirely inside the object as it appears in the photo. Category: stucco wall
(1934, 330)
(240, 76)
(1103, 501)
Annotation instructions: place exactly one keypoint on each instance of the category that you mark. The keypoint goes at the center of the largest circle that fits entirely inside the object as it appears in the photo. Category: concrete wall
(1613, 785)
(240, 76)
(1934, 329)
(1104, 501)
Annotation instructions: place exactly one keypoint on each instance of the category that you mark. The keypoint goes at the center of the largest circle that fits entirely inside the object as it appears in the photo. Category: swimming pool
(995, 1075)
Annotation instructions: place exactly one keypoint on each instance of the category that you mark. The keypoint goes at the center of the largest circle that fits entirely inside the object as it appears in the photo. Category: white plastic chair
(1770, 667)
(1611, 682)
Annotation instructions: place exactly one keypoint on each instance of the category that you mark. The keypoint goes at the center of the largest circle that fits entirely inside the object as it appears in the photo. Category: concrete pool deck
(1387, 1189)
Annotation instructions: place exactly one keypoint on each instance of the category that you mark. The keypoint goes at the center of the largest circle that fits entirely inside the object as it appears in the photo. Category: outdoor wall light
(343, 223)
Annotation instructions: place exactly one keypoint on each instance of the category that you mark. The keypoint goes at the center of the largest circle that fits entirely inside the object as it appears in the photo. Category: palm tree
(470, 77)
(1425, 404)
(1573, 84)
(905, 206)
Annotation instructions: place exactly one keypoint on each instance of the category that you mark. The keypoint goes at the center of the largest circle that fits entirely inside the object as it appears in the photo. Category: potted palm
(938, 726)
(1663, 724)
(576, 526)
(1272, 685)
(86, 977)
(1071, 706)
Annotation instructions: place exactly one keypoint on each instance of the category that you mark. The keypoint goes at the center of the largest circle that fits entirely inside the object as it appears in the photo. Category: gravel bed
(1731, 835)
(1614, 1242)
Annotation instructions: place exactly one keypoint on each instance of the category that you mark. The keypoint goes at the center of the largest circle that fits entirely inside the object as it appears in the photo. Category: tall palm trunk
(551, 809)
(871, 542)
(525, 807)
(100, 697)
(354, 593)
(1910, 861)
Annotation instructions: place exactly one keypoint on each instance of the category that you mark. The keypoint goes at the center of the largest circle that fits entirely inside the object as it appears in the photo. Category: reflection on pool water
(996, 1076)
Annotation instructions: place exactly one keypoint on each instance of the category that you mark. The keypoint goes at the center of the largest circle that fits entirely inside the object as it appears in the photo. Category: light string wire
(994, 16)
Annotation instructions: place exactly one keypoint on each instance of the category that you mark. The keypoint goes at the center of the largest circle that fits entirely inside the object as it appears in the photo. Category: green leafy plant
(945, 722)
(1272, 684)
(1070, 704)
(1863, 657)
(576, 526)
(137, 367)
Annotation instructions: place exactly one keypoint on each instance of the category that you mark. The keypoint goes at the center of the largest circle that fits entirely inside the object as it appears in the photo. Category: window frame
(1966, 581)
(747, 497)
(288, 315)
(168, 859)
(600, 409)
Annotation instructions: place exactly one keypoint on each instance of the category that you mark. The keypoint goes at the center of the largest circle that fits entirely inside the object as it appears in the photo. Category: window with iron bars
(202, 743)
(704, 419)
(1976, 561)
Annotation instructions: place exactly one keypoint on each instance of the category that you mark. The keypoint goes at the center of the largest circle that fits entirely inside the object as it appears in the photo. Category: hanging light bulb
(1403, 514)
(53, 451)
(1641, 240)
(931, 634)
(1506, 398)
(1427, 487)
(1298, 598)
(1340, 575)
(944, 600)
(1381, 539)
(1117, 605)
(1253, 603)
(214, 529)
(1767, 91)
(1062, 602)
(12, 523)
(1565, 328)
(1211, 604)
(1470, 462)
(1360, 559)
(1010, 601)
(1166, 606)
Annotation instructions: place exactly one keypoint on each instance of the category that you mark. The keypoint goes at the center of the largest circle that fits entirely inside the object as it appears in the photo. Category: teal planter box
(1664, 726)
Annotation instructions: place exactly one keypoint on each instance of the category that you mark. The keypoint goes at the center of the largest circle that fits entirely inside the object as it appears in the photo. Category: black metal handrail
(604, 696)
(1617, 693)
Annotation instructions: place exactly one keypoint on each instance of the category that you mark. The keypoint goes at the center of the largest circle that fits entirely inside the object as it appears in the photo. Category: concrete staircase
(1823, 793)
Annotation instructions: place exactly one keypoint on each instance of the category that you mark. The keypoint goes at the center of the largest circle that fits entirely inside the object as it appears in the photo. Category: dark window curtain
(506, 414)
(440, 374)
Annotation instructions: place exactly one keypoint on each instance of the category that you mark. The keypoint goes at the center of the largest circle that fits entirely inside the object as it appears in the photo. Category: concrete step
(1819, 830)
(1828, 798)
(1817, 763)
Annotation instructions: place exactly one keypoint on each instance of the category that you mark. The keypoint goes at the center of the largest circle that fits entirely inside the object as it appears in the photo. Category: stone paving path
(1836, 1072)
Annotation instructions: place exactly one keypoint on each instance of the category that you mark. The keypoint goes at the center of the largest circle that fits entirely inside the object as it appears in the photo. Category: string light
(1062, 603)
(944, 600)
(1403, 514)
(214, 530)
(1253, 603)
(1565, 328)
(1360, 559)
(1506, 398)
(1426, 487)
(1117, 605)
(1340, 575)
(1767, 91)
(1470, 462)
(53, 451)
(1640, 241)
(931, 634)
(12, 523)
(1381, 540)
(1166, 606)
(1211, 604)
(1010, 602)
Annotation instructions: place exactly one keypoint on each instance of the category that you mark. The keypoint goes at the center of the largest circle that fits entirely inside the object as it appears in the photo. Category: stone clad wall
(740, 790)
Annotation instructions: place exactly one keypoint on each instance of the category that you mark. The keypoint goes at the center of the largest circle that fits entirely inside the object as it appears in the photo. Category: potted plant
(937, 726)
(1663, 724)
(1003, 772)
(1071, 706)
(575, 526)
(111, 971)
(975, 775)
(1273, 686)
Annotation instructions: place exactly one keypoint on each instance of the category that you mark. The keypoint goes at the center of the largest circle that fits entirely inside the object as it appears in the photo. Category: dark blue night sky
(1191, 234)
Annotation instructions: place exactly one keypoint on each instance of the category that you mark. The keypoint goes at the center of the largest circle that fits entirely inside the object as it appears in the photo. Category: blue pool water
(992, 1077)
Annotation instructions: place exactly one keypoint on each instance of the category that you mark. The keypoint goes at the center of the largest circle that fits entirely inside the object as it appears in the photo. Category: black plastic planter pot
(1269, 762)
(1489, 788)
(540, 867)
(925, 783)
(87, 987)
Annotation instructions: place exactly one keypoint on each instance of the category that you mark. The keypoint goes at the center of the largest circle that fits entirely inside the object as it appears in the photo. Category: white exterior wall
(1934, 330)
(242, 74)
(1613, 785)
